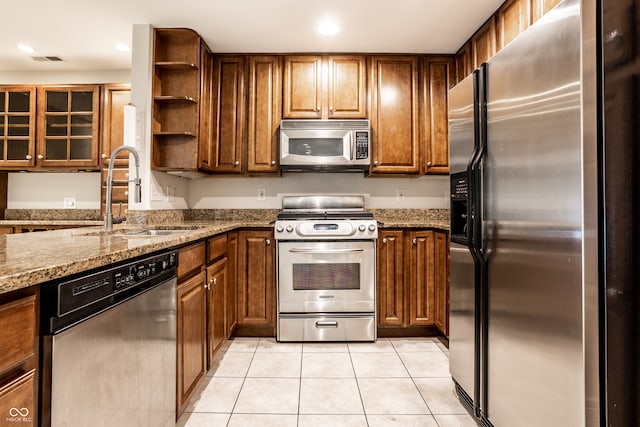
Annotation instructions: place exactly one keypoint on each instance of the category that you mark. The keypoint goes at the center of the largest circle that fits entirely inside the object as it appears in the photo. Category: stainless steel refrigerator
(544, 310)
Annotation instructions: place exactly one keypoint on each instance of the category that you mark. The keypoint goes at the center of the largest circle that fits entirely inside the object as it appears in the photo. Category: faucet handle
(120, 209)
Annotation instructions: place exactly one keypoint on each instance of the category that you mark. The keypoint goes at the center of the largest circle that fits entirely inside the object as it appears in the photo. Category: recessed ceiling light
(328, 28)
(123, 47)
(26, 48)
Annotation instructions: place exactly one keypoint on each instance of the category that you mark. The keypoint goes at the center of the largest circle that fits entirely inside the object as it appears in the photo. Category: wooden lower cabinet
(231, 320)
(441, 267)
(409, 267)
(19, 360)
(192, 339)
(216, 307)
(256, 283)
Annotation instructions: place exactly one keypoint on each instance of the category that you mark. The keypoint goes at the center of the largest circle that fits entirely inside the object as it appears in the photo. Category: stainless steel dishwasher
(108, 346)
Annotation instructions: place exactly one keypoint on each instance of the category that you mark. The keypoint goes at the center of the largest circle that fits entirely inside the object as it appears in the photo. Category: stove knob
(362, 227)
(289, 228)
(279, 229)
(372, 227)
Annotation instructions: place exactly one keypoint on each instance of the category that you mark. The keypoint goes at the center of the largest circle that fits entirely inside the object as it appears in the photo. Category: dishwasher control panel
(65, 301)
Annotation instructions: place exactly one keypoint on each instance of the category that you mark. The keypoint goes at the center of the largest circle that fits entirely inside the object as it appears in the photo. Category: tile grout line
(244, 379)
(300, 383)
(355, 375)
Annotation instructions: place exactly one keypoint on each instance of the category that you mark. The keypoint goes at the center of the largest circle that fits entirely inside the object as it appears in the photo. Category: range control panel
(357, 229)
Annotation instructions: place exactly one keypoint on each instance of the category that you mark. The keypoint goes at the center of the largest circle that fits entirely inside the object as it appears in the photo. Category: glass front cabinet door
(68, 126)
(17, 126)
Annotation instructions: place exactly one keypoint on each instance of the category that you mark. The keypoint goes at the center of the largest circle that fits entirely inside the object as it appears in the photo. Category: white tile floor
(394, 382)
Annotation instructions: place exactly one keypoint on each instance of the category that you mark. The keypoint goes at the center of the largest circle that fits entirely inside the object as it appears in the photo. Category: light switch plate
(69, 202)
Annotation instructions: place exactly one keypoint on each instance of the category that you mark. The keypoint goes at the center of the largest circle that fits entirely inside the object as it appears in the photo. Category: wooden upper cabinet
(437, 72)
(483, 43)
(540, 7)
(512, 19)
(68, 126)
(229, 113)
(393, 83)
(421, 281)
(325, 87)
(347, 87)
(302, 87)
(207, 94)
(265, 113)
(464, 62)
(17, 126)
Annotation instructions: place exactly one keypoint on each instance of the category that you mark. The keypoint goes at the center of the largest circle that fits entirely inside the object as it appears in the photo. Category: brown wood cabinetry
(483, 43)
(115, 97)
(231, 320)
(176, 99)
(412, 273)
(68, 126)
(17, 127)
(464, 62)
(437, 76)
(393, 83)
(228, 124)
(19, 358)
(216, 307)
(192, 323)
(328, 87)
(265, 113)
(540, 7)
(441, 266)
(513, 17)
(256, 283)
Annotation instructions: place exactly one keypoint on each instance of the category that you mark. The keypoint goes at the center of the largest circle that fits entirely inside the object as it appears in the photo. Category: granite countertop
(28, 259)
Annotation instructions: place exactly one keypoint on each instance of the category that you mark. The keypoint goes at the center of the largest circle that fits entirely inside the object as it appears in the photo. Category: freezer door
(532, 227)
(462, 309)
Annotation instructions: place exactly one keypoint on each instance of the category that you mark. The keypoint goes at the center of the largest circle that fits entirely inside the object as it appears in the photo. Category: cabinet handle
(384, 240)
(40, 157)
(126, 193)
(215, 280)
(104, 156)
(268, 242)
(331, 109)
(375, 163)
(237, 163)
(428, 163)
(273, 162)
(415, 241)
(28, 157)
(207, 286)
(318, 110)
(126, 174)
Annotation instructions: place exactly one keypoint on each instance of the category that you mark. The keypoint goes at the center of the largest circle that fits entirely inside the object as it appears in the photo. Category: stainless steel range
(326, 269)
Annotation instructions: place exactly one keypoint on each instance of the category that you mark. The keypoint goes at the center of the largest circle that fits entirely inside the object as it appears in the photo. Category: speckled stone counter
(412, 218)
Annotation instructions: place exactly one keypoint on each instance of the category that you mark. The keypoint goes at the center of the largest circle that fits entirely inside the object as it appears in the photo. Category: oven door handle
(326, 324)
(325, 251)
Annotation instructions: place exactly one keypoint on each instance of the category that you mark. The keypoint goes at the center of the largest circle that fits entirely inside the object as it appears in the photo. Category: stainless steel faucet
(109, 220)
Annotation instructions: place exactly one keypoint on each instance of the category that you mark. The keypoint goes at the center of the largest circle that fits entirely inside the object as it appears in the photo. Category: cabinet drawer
(216, 248)
(18, 331)
(190, 260)
(17, 401)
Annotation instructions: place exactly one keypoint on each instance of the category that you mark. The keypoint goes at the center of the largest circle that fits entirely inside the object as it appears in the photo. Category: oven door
(326, 277)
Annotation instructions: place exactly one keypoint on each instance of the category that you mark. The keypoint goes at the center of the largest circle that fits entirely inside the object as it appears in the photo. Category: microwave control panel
(362, 145)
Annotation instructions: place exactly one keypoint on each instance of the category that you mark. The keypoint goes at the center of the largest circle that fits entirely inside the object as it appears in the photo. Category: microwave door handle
(324, 251)
(351, 146)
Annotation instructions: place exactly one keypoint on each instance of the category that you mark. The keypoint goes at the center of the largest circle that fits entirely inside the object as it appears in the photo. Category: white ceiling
(84, 32)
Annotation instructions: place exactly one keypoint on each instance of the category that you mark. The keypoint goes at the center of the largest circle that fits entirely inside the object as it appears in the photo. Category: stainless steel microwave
(325, 145)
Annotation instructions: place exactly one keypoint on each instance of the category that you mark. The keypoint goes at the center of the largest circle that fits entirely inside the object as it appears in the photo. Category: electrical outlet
(157, 196)
(171, 194)
(69, 202)
(447, 196)
(262, 194)
(400, 194)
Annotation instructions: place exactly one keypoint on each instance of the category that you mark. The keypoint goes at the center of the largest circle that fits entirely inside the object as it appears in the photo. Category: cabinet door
(17, 401)
(441, 276)
(68, 124)
(231, 319)
(256, 278)
(191, 337)
(265, 113)
(208, 93)
(216, 283)
(302, 87)
(420, 283)
(17, 126)
(390, 278)
(394, 114)
(540, 7)
(228, 121)
(513, 18)
(18, 320)
(435, 84)
(347, 87)
(464, 62)
(483, 43)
